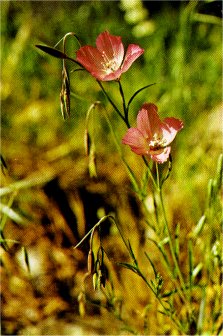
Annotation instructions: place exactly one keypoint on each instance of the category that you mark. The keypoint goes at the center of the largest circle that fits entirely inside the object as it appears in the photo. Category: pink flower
(107, 62)
(152, 136)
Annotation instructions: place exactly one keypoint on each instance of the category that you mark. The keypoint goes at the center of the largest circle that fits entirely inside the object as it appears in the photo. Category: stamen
(157, 142)
(109, 65)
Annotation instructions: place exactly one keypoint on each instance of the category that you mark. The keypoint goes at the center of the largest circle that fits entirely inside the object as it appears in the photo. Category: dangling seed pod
(91, 262)
(65, 94)
(82, 301)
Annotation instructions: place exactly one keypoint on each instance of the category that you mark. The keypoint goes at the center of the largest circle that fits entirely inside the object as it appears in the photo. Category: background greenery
(47, 215)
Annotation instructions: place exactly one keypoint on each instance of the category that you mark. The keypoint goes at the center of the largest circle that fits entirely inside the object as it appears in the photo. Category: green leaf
(177, 243)
(198, 228)
(9, 212)
(152, 264)
(128, 266)
(168, 171)
(219, 172)
(196, 270)
(137, 92)
(161, 249)
(26, 258)
(3, 164)
(191, 263)
(132, 254)
(52, 51)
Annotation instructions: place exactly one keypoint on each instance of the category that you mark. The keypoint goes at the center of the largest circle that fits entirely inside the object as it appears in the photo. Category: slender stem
(117, 144)
(171, 243)
(177, 322)
(157, 176)
(125, 108)
(150, 173)
(92, 230)
(110, 101)
(182, 283)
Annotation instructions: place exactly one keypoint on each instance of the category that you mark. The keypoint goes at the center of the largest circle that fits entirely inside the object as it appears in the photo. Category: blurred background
(49, 200)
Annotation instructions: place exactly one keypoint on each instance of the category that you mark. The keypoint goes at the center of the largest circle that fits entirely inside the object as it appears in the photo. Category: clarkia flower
(106, 62)
(152, 136)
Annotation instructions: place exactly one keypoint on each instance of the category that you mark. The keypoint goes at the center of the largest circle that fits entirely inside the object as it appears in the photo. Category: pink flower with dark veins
(106, 62)
(152, 136)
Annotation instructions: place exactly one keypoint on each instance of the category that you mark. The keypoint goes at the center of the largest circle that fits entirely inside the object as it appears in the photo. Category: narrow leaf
(3, 164)
(128, 266)
(196, 270)
(26, 258)
(152, 264)
(198, 228)
(137, 92)
(191, 263)
(168, 171)
(210, 192)
(12, 214)
(132, 253)
(161, 249)
(219, 172)
(177, 242)
(52, 51)
(201, 317)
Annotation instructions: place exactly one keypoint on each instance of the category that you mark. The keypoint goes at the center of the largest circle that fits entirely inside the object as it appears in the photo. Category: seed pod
(65, 94)
(92, 162)
(90, 262)
(103, 275)
(95, 281)
(81, 300)
(87, 142)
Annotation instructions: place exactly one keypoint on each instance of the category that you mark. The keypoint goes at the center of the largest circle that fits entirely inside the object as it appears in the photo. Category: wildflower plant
(150, 138)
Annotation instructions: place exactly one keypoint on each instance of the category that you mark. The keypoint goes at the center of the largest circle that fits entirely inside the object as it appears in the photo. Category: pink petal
(132, 53)
(134, 138)
(161, 157)
(170, 127)
(111, 46)
(92, 60)
(113, 76)
(148, 121)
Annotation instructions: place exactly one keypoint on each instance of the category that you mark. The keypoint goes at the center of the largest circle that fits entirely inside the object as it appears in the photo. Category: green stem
(125, 108)
(150, 172)
(171, 244)
(182, 283)
(93, 229)
(117, 144)
(176, 322)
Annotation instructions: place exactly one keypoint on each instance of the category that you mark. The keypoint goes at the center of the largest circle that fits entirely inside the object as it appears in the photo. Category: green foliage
(175, 269)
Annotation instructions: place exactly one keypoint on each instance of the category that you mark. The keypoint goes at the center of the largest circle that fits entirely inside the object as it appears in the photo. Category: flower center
(109, 65)
(157, 142)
